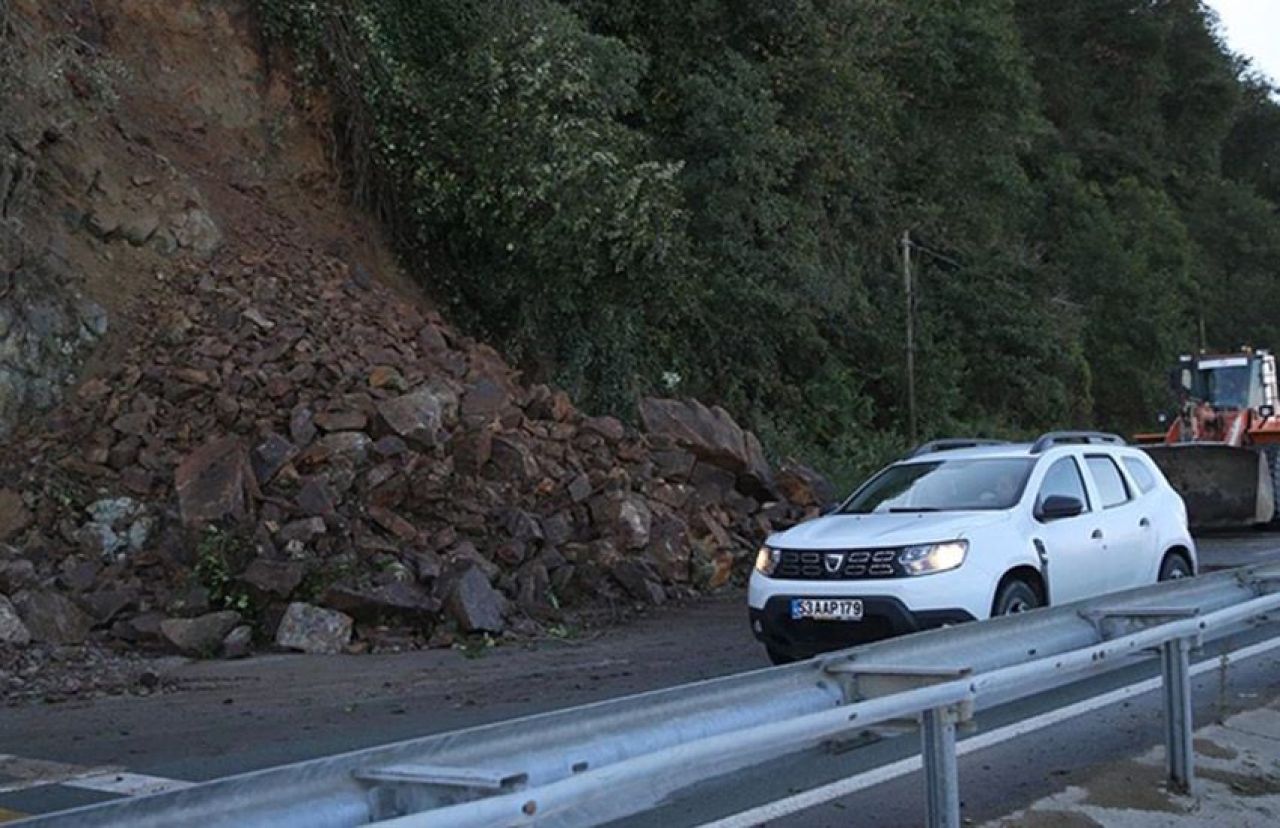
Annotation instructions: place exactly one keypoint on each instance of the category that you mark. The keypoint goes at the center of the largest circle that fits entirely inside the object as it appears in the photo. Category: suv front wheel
(1015, 597)
(778, 657)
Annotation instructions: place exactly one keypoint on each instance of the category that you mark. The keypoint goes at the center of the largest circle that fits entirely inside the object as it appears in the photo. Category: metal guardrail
(591, 764)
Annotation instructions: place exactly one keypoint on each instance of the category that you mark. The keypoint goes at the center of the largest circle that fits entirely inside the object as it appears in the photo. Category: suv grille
(837, 564)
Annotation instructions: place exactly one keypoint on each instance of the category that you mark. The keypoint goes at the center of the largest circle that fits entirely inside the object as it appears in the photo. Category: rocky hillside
(230, 422)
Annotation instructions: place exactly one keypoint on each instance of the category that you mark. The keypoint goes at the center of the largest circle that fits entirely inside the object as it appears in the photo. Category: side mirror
(1056, 507)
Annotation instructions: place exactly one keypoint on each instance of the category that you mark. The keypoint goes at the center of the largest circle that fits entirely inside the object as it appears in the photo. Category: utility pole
(908, 289)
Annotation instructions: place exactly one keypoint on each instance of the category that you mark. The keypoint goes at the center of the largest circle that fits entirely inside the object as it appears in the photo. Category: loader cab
(1228, 381)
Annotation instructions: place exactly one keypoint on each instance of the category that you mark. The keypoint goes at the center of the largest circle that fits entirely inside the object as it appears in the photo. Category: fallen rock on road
(201, 636)
(314, 630)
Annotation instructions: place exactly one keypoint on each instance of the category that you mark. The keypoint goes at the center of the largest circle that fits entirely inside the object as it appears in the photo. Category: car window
(943, 486)
(1140, 473)
(1112, 490)
(1063, 480)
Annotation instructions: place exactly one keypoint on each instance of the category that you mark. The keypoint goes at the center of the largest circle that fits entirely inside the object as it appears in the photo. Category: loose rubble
(358, 454)
(58, 673)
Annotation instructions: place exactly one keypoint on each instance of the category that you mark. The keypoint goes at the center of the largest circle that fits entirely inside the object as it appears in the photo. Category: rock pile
(289, 446)
(268, 444)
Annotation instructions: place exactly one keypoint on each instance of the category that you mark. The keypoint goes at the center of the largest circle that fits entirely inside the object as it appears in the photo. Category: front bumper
(882, 617)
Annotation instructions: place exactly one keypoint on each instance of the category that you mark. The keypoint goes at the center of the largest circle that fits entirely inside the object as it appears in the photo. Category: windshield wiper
(914, 509)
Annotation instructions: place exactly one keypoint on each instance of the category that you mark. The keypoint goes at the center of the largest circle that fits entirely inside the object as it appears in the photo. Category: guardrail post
(1178, 728)
(942, 783)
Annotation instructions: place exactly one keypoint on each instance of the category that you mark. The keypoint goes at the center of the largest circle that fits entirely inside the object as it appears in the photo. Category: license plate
(826, 609)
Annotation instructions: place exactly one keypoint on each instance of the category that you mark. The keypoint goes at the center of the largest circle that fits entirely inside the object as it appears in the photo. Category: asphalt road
(230, 717)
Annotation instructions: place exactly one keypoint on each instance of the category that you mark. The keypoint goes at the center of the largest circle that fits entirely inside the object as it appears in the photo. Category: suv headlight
(933, 557)
(767, 560)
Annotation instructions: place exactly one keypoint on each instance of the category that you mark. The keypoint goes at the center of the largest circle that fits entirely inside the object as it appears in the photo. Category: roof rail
(952, 443)
(1061, 438)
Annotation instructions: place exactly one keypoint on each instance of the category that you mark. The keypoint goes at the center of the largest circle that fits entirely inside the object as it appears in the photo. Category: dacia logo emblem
(832, 561)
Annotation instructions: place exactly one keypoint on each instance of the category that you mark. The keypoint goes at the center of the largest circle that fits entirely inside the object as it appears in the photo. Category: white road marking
(23, 773)
(20, 773)
(843, 787)
(124, 783)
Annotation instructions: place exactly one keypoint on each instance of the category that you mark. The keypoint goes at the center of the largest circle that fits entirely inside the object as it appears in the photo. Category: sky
(1252, 29)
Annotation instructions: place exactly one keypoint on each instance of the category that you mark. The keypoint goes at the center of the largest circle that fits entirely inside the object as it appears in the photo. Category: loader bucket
(1223, 486)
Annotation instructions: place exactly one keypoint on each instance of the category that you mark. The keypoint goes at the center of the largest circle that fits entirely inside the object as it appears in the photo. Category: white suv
(964, 529)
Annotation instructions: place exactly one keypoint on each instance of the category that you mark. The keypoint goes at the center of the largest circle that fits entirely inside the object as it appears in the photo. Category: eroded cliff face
(91, 209)
(229, 415)
(125, 128)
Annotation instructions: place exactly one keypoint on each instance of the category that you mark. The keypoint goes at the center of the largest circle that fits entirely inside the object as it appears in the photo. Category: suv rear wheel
(1174, 568)
(1015, 597)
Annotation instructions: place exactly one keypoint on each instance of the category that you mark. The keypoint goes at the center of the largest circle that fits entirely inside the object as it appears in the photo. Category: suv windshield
(943, 486)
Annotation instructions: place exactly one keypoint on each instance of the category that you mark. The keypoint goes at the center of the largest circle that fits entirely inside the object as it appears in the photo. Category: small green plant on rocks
(476, 646)
(317, 581)
(219, 554)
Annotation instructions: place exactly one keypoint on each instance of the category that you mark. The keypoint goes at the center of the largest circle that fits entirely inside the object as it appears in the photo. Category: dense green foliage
(705, 197)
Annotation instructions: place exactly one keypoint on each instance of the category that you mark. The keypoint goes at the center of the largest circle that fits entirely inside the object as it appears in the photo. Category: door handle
(1097, 534)
(1144, 523)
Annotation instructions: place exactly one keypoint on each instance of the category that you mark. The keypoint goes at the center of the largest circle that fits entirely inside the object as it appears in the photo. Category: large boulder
(14, 514)
(12, 630)
(484, 400)
(105, 604)
(195, 230)
(114, 511)
(712, 436)
(51, 617)
(118, 524)
(623, 516)
(238, 642)
(803, 486)
(200, 636)
(610, 428)
(669, 546)
(513, 459)
(278, 578)
(17, 575)
(373, 603)
(757, 478)
(342, 448)
(417, 417)
(316, 497)
(212, 482)
(313, 629)
(270, 456)
(640, 581)
(475, 604)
